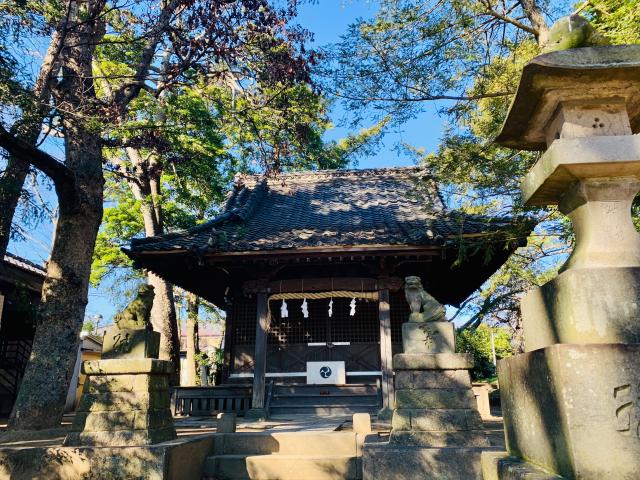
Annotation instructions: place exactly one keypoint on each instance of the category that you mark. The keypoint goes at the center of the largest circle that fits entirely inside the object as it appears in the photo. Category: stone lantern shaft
(571, 402)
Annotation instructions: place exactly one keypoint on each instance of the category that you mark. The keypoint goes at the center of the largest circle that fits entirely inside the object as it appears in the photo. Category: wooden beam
(260, 353)
(325, 284)
(386, 356)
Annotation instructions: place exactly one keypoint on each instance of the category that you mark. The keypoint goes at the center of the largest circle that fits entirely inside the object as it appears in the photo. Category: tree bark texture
(191, 367)
(536, 17)
(145, 186)
(41, 398)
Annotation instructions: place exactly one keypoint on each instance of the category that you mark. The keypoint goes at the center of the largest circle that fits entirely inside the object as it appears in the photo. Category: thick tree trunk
(41, 399)
(191, 368)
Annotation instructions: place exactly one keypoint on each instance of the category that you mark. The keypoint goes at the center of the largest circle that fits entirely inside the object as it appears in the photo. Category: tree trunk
(163, 312)
(41, 399)
(536, 17)
(163, 319)
(191, 368)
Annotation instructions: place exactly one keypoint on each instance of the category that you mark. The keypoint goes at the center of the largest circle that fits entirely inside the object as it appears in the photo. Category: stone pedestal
(575, 409)
(436, 428)
(130, 343)
(125, 402)
(428, 337)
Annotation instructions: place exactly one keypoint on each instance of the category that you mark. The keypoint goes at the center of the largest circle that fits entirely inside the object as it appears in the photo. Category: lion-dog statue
(424, 308)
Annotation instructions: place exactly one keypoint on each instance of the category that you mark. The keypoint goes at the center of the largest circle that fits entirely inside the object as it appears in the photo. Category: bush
(478, 343)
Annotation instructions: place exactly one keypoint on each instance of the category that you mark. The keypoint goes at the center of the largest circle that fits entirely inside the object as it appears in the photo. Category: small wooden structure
(313, 233)
(20, 287)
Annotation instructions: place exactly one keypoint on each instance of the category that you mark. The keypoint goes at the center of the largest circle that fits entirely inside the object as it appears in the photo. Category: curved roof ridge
(319, 175)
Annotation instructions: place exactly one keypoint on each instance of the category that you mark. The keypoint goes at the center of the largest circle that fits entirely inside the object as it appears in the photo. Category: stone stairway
(324, 399)
(285, 456)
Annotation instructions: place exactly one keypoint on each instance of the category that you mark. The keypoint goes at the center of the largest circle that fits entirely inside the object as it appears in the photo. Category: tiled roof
(327, 208)
(24, 264)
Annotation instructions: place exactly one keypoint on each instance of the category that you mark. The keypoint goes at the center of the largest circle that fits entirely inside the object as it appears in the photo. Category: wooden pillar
(386, 355)
(260, 353)
(227, 366)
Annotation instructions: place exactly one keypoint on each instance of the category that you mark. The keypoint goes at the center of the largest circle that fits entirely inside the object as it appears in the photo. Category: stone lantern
(571, 403)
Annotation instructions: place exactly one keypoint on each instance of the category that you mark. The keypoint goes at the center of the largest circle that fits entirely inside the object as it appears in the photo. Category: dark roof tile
(327, 208)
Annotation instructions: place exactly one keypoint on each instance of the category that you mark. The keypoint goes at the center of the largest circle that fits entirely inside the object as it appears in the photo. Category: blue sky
(328, 20)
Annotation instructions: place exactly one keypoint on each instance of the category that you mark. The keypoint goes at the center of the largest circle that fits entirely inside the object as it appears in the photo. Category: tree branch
(62, 177)
(130, 90)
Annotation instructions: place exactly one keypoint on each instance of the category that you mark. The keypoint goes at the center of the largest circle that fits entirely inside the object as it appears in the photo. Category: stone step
(291, 443)
(329, 400)
(323, 410)
(281, 467)
(325, 389)
(325, 395)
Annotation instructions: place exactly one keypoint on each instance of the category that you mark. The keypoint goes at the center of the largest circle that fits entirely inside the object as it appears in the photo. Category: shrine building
(309, 268)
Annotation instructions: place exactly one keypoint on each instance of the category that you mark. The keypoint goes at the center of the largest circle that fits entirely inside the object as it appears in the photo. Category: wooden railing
(205, 401)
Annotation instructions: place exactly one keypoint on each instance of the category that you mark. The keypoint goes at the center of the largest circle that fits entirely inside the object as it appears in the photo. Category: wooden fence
(204, 401)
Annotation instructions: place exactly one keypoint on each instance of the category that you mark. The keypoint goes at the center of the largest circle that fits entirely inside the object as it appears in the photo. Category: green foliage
(193, 139)
(466, 56)
(478, 343)
(618, 20)
(88, 326)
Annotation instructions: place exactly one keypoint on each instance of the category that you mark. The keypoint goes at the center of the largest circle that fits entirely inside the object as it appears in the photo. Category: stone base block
(428, 337)
(432, 361)
(432, 379)
(566, 310)
(435, 398)
(128, 343)
(574, 409)
(181, 459)
(438, 420)
(469, 438)
(402, 462)
(500, 466)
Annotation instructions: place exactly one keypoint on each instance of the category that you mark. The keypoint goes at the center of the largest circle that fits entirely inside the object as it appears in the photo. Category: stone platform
(179, 459)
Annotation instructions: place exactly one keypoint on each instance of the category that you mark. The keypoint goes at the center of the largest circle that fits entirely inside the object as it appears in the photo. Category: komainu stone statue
(126, 397)
(137, 314)
(132, 335)
(424, 308)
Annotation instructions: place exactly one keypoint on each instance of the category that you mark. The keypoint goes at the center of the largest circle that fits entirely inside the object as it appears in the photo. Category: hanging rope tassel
(352, 312)
(284, 311)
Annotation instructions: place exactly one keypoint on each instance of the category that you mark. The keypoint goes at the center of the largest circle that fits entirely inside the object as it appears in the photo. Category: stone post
(126, 398)
(436, 429)
(571, 403)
